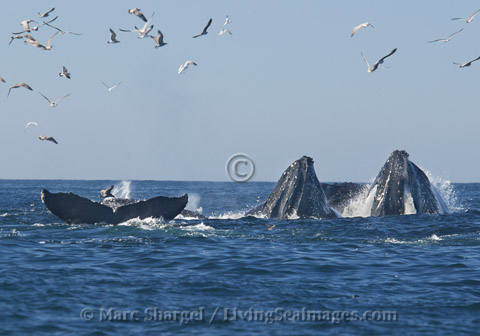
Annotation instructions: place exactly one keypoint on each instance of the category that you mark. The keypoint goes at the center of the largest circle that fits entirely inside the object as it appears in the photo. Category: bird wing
(31, 123)
(123, 30)
(2, 80)
(26, 86)
(355, 30)
(47, 12)
(476, 59)
(160, 37)
(64, 69)
(459, 19)
(454, 34)
(62, 98)
(51, 38)
(437, 40)
(368, 65)
(113, 87)
(141, 16)
(45, 97)
(108, 87)
(206, 27)
(48, 24)
(473, 15)
(380, 61)
(52, 139)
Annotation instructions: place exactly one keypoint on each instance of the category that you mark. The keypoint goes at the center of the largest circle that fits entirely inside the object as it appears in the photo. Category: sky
(290, 81)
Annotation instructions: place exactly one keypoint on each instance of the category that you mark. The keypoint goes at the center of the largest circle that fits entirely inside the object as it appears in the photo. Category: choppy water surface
(417, 274)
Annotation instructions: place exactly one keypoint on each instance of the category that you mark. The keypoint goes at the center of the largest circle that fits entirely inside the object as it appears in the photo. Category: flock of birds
(142, 32)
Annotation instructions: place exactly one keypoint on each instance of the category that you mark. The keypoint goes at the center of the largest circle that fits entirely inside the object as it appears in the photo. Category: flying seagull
(31, 123)
(227, 21)
(53, 104)
(49, 138)
(61, 31)
(380, 61)
(113, 37)
(470, 19)
(143, 32)
(110, 88)
(47, 13)
(107, 192)
(224, 31)
(26, 25)
(137, 12)
(17, 36)
(204, 31)
(185, 65)
(35, 43)
(362, 25)
(15, 86)
(467, 64)
(64, 73)
(446, 39)
(159, 40)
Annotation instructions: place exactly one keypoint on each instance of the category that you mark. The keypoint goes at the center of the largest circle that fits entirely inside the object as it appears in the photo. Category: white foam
(444, 192)
(408, 204)
(434, 237)
(193, 203)
(149, 223)
(198, 227)
(361, 206)
(229, 215)
(4, 214)
(123, 190)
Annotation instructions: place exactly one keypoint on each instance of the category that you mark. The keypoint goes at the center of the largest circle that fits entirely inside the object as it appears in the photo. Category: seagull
(159, 39)
(227, 21)
(61, 31)
(113, 37)
(446, 39)
(184, 66)
(380, 61)
(225, 31)
(17, 36)
(15, 86)
(64, 73)
(31, 123)
(107, 192)
(270, 227)
(49, 138)
(362, 25)
(137, 12)
(470, 19)
(47, 13)
(53, 104)
(467, 64)
(35, 43)
(26, 24)
(44, 23)
(2, 80)
(141, 32)
(204, 31)
(110, 88)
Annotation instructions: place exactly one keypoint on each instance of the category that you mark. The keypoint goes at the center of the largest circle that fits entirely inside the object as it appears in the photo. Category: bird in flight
(113, 37)
(44, 23)
(204, 31)
(35, 43)
(380, 61)
(362, 25)
(159, 40)
(107, 192)
(224, 31)
(53, 104)
(137, 12)
(26, 25)
(31, 123)
(110, 88)
(185, 65)
(64, 73)
(143, 32)
(15, 86)
(470, 19)
(61, 31)
(47, 13)
(446, 39)
(48, 138)
(227, 21)
(467, 64)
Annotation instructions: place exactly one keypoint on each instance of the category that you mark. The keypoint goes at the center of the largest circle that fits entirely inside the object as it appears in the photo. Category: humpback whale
(74, 209)
(402, 188)
(298, 193)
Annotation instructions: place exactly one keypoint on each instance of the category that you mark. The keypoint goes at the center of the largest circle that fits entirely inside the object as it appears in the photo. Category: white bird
(380, 61)
(113, 37)
(204, 31)
(64, 73)
(467, 64)
(48, 138)
(184, 66)
(43, 23)
(18, 36)
(61, 31)
(110, 88)
(227, 21)
(35, 43)
(143, 32)
(225, 31)
(137, 12)
(362, 25)
(446, 39)
(26, 25)
(31, 123)
(159, 40)
(470, 19)
(47, 13)
(15, 86)
(53, 104)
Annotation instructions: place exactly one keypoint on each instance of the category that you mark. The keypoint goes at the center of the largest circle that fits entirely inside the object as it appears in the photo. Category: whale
(298, 194)
(401, 188)
(75, 209)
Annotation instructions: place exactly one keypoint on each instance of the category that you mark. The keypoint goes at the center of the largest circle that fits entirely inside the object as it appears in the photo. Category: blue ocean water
(229, 274)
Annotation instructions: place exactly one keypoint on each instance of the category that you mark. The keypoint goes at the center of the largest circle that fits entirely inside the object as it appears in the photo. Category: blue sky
(289, 82)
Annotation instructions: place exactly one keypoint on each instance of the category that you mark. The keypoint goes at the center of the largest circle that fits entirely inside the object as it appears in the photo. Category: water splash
(123, 190)
(193, 202)
(445, 192)
(361, 206)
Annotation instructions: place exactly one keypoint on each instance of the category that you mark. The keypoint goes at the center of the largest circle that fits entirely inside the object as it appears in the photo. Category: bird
(110, 88)
(48, 138)
(143, 32)
(47, 13)
(113, 37)
(53, 104)
(31, 123)
(362, 25)
(2, 80)
(227, 21)
(35, 43)
(204, 31)
(64, 73)
(270, 227)
(61, 31)
(107, 192)
(446, 39)
(185, 65)
(15, 86)
(17, 36)
(467, 64)
(26, 25)
(44, 23)
(137, 12)
(159, 40)
(380, 61)
(470, 19)
(224, 31)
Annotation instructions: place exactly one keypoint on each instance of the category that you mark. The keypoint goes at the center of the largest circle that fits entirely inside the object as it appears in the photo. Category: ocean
(231, 274)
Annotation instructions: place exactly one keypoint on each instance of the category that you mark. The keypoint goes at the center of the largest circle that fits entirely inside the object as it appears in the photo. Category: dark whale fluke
(298, 194)
(403, 188)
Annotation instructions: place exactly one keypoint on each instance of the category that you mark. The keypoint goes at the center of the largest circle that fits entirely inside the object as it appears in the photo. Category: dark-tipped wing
(380, 61)
(52, 139)
(206, 27)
